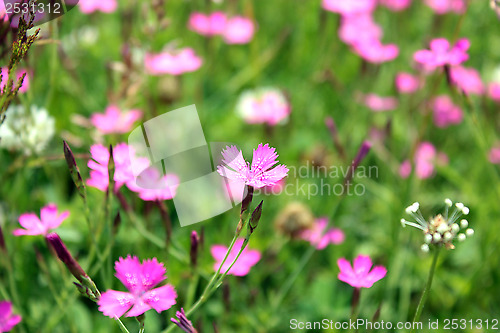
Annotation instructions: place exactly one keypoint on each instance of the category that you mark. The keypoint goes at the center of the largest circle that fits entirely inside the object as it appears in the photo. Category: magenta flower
(407, 83)
(172, 62)
(140, 280)
(152, 186)
(208, 25)
(467, 79)
(184, 324)
(396, 5)
(263, 105)
(445, 112)
(359, 28)
(375, 52)
(90, 6)
(241, 267)
(7, 319)
(378, 103)
(49, 219)
(315, 236)
(261, 173)
(441, 7)
(494, 91)
(441, 54)
(405, 169)
(5, 74)
(115, 121)
(239, 30)
(360, 276)
(349, 7)
(494, 155)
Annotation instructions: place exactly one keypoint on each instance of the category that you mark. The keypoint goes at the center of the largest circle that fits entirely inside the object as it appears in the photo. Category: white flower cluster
(441, 230)
(263, 105)
(24, 130)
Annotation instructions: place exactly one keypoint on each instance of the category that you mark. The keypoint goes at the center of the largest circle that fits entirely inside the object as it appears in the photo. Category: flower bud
(74, 170)
(464, 223)
(193, 253)
(254, 219)
(425, 248)
(183, 322)
(469, 232)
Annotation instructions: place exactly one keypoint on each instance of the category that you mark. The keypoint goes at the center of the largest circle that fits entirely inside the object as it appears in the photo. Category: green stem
(122, 327)
(427, 288)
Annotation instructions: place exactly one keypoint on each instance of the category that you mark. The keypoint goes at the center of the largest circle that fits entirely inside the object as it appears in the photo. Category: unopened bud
(464, 223)
(193, 253)
(455, 228)
(461, 237)
(254, 219)
(437, 237)
(183, 322)
(74, 170)
(428, 238)
(469, 232)
(425, 248)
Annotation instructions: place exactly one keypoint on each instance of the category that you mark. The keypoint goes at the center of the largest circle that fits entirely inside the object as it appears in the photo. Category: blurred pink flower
(314, 234)
(241, 267)
(49, 219)
(349, 7)
(445, 6)
(358, 28)
(378, 103)
(374, 51)
(494, 155)
(152, 186)
(467, 79)
(405, 169)
(208, 25)
(115, 121)
(7, 319)
(494, 91)
(263, 105)
(445, 112)
(441, 54)
(424, 160)
(3, 17)
(396, 5)
(172, 62)
(90, 6)
(360, 276)
(139, 279)
(26, 82)
(407, 83)
(262, 171)
(239, 30)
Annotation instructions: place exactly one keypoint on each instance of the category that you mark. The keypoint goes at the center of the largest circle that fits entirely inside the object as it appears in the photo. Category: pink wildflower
(239, 30)
(90, 6)
(360, 276)
(441, 54)
(467, 79)
(349, 7)
(358, 28)
(7, 319)
(172, 62)
(241, 267)
(5, 74)
(375, 52)
(396, 5)
(314, 234)
(140, 279)
(424, 160)
(114, 121)
(445, 6)
(208, 25)
(405, 169)
(494, 91)
(261, 173)
(445, 112)
(184, 324)
(49, 219)
(494, 155)
(378, 103)
(407, 83)
(152, 186)
(263, 105)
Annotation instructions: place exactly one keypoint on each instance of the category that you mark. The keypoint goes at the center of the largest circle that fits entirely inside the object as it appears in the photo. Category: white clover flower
(440, 230)
(24, 130)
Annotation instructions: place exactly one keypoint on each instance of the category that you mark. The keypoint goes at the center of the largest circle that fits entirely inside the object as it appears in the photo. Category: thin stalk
(427, 288)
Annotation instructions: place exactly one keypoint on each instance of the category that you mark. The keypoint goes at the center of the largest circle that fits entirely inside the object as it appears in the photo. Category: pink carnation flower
(467, 79)
(241, 267)
(494, 91)
(208, 25)
(49, 219)
(405, 169)
(349, 7)
(152, 186)
(445, 112)
(494, 155)
(359, 28)
(445, 6)
(90, 6)
(396, 5)
(441, 54)
(378, 103)
(407, 83)
(239, 30)
(317, 239)
(375, 52)
(425, 157)
(5, 75)
(140, 280)
(115, 121)
(172, 62)
(262, 171)
(7, 319)
(360, 276)
(264, 105)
